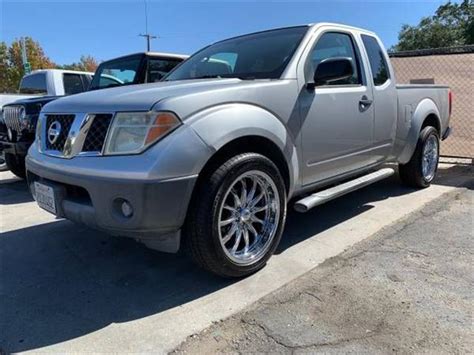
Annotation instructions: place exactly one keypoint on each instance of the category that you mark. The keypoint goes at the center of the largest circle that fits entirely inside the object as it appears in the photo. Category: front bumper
(159, 206)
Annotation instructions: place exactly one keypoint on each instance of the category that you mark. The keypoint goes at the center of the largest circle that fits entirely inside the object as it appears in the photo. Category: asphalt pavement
(408, 289)
(65, 288)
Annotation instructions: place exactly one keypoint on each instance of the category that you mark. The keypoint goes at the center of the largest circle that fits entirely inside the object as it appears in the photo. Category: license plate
(45, 197)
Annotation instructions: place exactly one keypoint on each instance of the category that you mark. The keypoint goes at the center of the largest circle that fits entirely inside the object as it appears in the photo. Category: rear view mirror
(332, 69)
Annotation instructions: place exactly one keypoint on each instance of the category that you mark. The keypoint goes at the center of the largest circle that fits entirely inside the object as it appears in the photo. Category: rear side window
(378, 64)
(73, 84)
(34, 84)
(334, 45)
(87, 79)
(158, 68)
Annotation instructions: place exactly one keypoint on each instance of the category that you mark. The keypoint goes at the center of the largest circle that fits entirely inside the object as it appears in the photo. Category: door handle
(364, 103)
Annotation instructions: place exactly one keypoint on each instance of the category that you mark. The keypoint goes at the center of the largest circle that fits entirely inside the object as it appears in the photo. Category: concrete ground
(408, 289)
(66, 288)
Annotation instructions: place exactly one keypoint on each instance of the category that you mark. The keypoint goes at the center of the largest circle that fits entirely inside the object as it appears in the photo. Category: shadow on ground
(60, 281)
(14, 191)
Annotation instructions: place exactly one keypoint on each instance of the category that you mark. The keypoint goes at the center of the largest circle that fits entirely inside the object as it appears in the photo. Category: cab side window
(72, 84)
(158, 68)
(378, 64)
(335, 45)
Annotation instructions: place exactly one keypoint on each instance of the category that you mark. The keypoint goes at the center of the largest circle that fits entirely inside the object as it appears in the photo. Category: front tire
(421, 170)
(3, 163)
(16, 165)
(237, 216)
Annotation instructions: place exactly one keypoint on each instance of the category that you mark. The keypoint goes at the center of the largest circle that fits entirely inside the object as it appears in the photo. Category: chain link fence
(452, 66)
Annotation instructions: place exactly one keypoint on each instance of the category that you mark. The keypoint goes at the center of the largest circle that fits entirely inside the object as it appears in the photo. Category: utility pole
(147, 35)
(24, 58)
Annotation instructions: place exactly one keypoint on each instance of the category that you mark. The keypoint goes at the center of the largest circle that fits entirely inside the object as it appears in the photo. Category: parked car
(19, 124)
(209, 158)
(49, 82)
(39, 87)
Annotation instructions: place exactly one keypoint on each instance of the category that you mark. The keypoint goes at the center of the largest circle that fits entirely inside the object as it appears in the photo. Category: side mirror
(332, 69)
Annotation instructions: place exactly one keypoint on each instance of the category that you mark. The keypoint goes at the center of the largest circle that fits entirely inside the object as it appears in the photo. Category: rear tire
(16, 165)
(421, 170)
(237, 216)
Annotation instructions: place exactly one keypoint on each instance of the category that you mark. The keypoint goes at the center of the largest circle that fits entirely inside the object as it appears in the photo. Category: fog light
(127, 209)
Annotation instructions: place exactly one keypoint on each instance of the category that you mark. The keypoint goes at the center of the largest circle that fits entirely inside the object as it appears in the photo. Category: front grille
(66, 122)
(11, 117)
(95, 138)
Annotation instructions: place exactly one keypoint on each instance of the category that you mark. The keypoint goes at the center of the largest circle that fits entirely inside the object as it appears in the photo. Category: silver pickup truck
(209, 158)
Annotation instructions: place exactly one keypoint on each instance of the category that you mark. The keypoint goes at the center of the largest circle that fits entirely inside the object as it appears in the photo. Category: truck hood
(33, 105)
(34, 100)
(137, 97)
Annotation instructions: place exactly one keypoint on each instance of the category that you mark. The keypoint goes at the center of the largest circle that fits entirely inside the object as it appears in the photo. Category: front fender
(408, 135)
(222, 124)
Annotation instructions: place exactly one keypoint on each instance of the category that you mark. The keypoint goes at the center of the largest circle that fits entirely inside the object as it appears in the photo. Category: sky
(109, 28)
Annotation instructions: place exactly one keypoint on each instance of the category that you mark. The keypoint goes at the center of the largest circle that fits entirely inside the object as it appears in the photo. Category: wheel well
(248, 144)
(432, 121)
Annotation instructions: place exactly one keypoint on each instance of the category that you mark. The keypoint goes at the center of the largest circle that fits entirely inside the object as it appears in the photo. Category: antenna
(147, 35)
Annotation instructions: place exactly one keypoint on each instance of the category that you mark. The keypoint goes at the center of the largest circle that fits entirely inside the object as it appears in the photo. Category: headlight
(133, 132)
(22, 113)
(24, 123)
(39, 130)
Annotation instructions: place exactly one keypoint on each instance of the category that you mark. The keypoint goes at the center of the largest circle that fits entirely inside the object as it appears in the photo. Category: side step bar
(318, 198)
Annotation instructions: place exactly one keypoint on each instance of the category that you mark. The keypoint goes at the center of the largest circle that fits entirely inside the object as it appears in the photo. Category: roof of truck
(320, 24)
(308, 25)
(59, 71)
(154, 54)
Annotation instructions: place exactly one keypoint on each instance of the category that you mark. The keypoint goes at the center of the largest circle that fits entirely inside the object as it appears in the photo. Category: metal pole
(23, 51)
(24, 57)
(147, 35)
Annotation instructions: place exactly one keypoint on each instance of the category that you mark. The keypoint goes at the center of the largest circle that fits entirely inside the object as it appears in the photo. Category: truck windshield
(116, 72)
(262, 55)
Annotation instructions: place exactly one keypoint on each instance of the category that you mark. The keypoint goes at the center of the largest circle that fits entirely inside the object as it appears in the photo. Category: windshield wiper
(224, 76)
(110, 86)
(208, 77)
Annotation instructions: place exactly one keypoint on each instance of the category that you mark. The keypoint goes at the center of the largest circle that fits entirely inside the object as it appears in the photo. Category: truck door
(385, 97)
(337, 118)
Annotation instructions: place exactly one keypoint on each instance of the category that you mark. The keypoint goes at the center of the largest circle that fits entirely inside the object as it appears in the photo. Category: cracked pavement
(407, 289)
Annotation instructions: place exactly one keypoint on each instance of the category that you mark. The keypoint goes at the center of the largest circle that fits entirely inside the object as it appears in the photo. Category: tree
(35, 55)
(5, 70)
(451, 25)
(11, 63)
(86, 63)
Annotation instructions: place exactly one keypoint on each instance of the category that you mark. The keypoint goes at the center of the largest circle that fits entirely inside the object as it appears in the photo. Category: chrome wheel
(429, 161)
(248, 217)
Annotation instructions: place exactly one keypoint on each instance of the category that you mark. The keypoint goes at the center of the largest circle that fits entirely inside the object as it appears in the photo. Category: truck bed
(421, 86)
(410, 96)
(416, 100)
